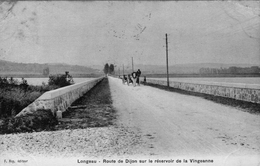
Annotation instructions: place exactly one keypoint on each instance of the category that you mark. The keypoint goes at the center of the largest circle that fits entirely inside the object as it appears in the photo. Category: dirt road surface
(142, 122)
(178, 126)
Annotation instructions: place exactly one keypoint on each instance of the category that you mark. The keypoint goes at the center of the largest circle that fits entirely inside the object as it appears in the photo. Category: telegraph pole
(123, 70)
(167, 60)
(132, 64)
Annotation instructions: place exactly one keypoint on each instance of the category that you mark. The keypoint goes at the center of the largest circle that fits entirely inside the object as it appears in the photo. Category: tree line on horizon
(44, 69)
(231, 70)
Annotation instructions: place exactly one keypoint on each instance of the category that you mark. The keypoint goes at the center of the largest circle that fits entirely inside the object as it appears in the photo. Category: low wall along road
(245, 92)
(60, 99)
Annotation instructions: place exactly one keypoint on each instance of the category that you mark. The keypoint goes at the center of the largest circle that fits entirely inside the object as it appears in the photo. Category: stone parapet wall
(245, 92)
(60, 99)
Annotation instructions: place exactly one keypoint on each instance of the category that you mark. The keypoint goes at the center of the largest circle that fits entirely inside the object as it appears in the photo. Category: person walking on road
(124, 79)
(138, 74)
(134, 75)
(129, 80)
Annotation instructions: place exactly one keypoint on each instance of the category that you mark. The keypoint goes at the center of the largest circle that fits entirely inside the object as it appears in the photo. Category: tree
(233, 69)
(106, 68)
(111, 69)
(46, 71)
(255, 69)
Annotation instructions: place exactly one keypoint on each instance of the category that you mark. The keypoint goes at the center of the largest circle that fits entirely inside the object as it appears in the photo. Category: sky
(98, 32)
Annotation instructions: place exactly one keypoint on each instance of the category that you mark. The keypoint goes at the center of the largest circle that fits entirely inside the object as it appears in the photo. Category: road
(186, 126)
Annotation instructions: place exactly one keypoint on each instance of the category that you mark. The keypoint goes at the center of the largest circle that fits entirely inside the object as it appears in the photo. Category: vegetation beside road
(36, 121)
(16, 95)
(92, 110)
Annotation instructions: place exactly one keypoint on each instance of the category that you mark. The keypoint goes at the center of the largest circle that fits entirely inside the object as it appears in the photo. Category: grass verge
(92, 110)
(13, 98)
(37, 121)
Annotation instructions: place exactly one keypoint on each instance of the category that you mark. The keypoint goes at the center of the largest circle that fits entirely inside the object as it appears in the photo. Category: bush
(60, 80)
(15, 99)
(15, 95)
(36, 121)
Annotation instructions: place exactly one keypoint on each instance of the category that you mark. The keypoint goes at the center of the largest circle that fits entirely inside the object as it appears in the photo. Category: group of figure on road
(133, 78)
